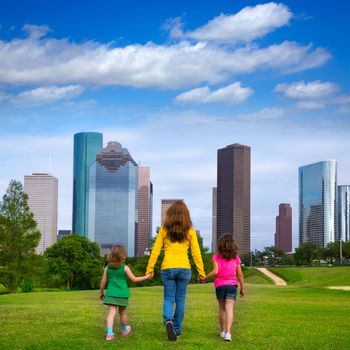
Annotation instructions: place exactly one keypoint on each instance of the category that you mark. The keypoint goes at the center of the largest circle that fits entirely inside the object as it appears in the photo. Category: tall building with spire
(42, 190)
(283, 235)
(318, 203)
(233, 194)
(213, 221)
(145, 209)
(86, 146)
(113, 199)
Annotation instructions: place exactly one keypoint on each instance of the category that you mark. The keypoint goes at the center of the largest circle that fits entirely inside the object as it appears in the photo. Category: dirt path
(278, 280)
(340, 287)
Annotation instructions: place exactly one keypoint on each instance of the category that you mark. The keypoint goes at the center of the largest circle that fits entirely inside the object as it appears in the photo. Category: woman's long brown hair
(177, 222)
(227, 247)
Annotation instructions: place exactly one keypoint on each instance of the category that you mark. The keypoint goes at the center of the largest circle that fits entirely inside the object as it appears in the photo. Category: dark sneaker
(170, 330)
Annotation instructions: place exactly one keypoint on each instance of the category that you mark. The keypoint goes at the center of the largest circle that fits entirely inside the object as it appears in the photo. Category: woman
(176, 236)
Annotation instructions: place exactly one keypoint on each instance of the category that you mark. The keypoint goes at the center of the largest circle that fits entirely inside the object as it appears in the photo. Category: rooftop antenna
(50, 156)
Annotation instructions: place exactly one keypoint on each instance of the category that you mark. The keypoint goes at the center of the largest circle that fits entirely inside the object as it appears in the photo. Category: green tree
(331, 252)
(306, 253)
(74, 261)
(346, 250)
(18, 238)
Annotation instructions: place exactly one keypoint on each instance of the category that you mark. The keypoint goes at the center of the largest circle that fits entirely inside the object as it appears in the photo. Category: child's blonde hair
(117, 255)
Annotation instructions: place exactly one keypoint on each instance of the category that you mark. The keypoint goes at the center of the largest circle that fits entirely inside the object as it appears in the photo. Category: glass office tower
(318, 202)
(343, 213)
(86, 146)
(113, 199)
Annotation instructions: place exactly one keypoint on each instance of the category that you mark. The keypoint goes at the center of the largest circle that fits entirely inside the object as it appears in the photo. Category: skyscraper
(42, 191)
(317, 202)
(213, 221)
(86, 146)
(113, 199)
(165, 205)
(145, 197)
(233, 194)
(283, 235)
(343, 213)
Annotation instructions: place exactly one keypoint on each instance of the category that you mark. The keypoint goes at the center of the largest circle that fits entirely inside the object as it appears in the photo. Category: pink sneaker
(109, 337)
(126, 330)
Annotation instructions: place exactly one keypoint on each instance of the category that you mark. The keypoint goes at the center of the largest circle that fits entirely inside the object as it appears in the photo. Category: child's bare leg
(122, 314)
(229, 314)
(112, 310)
(222, 315)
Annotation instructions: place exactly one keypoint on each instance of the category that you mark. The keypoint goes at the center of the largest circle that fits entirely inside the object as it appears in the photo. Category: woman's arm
(196, 252)
(240, 280)
(155, 252)
(103, 283)
(134, 278)
(212, 273)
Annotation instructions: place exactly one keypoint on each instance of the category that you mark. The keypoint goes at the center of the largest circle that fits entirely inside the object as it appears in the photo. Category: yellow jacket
(176, 253)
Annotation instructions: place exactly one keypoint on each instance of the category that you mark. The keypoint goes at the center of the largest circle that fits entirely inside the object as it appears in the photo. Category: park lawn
(268, 317)
(314, 276)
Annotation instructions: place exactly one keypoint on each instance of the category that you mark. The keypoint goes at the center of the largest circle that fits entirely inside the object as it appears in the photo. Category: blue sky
(173, 82)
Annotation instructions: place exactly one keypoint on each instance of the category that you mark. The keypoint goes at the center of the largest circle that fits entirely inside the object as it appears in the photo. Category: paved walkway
(278, 280)
(340, 287)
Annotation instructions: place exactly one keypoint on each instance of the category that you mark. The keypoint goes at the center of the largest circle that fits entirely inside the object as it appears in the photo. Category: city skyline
(280, 85)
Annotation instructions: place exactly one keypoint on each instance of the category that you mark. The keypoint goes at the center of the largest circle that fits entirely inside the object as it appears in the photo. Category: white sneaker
(227, 336)
(222, 334)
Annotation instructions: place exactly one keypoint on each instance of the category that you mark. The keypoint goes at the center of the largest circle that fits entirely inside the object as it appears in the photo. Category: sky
(173, 81)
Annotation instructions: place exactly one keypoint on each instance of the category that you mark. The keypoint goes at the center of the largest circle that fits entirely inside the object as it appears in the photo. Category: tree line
(307, 253)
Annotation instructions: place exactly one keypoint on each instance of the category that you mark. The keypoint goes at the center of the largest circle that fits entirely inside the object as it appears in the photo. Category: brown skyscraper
(283, 235)
(233, 194)
(144, 226)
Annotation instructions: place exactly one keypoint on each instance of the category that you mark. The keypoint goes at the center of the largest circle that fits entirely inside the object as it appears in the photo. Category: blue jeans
(175, 283)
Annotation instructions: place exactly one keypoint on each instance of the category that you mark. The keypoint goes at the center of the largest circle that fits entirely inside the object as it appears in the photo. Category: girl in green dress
(117, 293)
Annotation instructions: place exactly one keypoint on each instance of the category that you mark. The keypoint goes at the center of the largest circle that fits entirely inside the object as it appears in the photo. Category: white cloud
(310, 104)
(303, 91)
(342, 100)
(229, 95)
(263, 114)
(38, 60)
(35, 31)
(311, 95)
(246, 25)
(46, 94)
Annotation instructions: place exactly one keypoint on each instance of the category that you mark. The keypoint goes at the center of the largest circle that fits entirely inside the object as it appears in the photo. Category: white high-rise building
(42, 191)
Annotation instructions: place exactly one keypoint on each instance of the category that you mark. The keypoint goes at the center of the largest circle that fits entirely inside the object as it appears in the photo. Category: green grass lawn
(268, 317)
(315, 276)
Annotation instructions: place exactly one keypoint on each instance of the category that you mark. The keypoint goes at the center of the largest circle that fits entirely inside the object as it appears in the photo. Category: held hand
(201, 279)
(150, 276)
